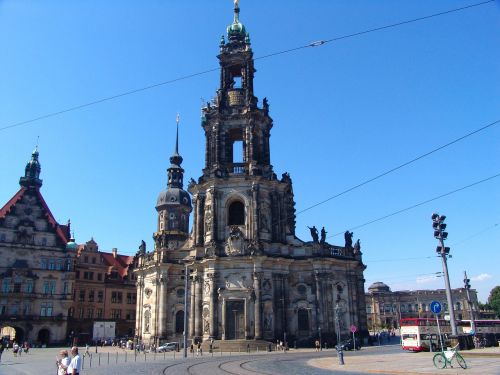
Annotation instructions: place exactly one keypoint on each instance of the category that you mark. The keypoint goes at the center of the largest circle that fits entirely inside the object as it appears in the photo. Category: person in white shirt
(63, 363)
(75, 366)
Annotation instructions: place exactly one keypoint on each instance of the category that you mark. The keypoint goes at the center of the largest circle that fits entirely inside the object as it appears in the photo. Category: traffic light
(439, 226)
(446, 249)
(466, 282)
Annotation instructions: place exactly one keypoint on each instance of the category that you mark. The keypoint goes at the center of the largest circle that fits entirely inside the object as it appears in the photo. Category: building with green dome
(36, 265)
(241, 273)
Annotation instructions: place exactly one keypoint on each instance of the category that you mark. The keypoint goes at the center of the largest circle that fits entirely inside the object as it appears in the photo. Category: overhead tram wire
(400, 166)
(418, 204)
(290, 50)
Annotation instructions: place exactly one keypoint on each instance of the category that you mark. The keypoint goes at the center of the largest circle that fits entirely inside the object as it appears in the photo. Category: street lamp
(340, 355)
(440, 234)
(185, 308)
(320, 341)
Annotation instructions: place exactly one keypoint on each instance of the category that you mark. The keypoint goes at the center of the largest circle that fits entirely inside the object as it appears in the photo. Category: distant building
(36, 265)
(384, 308)
(104, 291)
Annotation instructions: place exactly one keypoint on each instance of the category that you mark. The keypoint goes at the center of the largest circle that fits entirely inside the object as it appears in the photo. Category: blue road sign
(435, 307)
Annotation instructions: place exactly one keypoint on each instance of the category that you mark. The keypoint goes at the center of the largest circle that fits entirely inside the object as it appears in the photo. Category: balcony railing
(238, 168)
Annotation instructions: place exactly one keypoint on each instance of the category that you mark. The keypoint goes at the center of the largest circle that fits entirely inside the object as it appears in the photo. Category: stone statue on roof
(348, 239)
(142, 247)
(314, 233)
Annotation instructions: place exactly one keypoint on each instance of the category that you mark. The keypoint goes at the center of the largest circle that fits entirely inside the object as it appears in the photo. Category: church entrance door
(235, 320)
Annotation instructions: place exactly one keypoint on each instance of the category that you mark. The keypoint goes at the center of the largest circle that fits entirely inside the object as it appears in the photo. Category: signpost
(436, 309)
(354, 329)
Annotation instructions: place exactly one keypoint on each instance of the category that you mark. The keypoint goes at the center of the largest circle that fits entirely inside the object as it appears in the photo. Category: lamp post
(320, 341)
(440, 234)
(185, 308)
(340, 354)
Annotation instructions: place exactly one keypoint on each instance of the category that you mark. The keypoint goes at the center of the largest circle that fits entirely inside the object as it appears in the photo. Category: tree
(494, 300)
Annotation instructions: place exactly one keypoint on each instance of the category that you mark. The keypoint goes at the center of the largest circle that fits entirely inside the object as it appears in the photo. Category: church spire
(175, 171)
(31, 178)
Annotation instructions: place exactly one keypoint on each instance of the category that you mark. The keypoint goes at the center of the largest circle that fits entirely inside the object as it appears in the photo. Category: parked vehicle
(349, 345)
(168, 347)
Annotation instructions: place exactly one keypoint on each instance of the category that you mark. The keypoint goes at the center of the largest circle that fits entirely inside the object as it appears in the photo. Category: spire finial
(236, 11)
(177, 120)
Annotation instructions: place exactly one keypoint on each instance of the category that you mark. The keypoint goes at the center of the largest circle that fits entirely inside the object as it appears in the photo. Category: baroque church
(248, 275)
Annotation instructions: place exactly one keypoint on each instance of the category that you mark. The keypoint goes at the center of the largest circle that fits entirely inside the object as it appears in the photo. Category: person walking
(317, 345)
(75, 366)
(15, 348)
(2, 348)
(63, 362)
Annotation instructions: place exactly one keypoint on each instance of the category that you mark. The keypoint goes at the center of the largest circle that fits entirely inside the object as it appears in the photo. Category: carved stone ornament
(211, 249)
(254, 248)
(236, 244)
(148, 292)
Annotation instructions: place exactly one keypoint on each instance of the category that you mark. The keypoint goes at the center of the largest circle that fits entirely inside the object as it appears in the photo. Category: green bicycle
(442, 359)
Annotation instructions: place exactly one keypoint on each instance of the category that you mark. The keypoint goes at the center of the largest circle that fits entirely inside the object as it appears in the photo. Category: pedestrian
(75, 366)
(15, 348)
(191, 348)
(317, 345)
(2, 348)
(198, 349)
(63, 362)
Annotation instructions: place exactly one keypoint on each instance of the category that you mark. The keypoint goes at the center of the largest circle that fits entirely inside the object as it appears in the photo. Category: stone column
(319, 312)
(138, 310)
(162, 319)
(191, 308)
(198, 329)
(195, 219)
(213, 286)
(200, 213)
(257, 276)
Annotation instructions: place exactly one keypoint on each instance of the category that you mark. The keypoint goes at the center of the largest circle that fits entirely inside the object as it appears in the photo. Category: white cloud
(425, 279)
(481, 277)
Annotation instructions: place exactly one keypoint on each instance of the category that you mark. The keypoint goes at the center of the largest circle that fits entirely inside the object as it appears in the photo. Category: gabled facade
(250, 277)
(104, 292)
(36, 265)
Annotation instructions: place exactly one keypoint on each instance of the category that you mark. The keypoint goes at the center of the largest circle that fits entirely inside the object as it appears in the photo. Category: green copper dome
(236, 29)
(71, 245)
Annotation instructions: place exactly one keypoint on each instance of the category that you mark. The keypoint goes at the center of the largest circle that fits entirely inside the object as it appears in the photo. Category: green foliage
(494, 300)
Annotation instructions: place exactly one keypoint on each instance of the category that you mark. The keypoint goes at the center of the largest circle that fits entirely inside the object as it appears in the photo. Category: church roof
(62, 231)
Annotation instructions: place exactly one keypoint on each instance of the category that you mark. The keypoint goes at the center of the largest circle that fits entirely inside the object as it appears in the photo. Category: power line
(182, 78)
(400, 166)
(419, 204)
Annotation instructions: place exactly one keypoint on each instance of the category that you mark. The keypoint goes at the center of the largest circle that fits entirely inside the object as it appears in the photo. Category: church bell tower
(239, 203)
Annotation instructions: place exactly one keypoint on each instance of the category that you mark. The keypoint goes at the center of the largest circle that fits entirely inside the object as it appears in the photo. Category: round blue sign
(435, 307)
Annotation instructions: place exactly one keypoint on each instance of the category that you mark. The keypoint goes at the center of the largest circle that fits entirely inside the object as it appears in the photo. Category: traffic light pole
(440, 234)
(448, 289)
(469, 302)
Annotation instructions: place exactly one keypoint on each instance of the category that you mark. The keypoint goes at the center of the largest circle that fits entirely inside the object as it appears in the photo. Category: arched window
(236, 214)
(303, 320)
(459, 306)
(179, 321)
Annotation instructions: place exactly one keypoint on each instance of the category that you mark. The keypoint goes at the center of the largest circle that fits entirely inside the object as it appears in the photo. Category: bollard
(144, 356)
(99, 359)
(83, 362)
(165, 353)
(257, 349)
(125, 357)
(221, 352)
(90, 361)
(340, 354)
(116, 357)
(154, 356)
(108, 358)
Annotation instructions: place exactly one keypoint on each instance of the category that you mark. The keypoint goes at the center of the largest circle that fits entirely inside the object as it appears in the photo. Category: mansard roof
(62, 231)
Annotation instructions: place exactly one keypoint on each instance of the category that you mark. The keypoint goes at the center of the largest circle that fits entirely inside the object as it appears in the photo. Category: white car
(168, 347)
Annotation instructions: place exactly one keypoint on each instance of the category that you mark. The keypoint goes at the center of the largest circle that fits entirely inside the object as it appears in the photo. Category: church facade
(248, 275)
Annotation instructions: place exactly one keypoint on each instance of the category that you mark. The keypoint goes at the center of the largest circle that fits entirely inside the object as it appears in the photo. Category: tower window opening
(236, 214)
(238, 152)
(237, 82)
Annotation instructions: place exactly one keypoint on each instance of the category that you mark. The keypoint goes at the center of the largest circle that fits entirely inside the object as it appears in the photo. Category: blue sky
(343, 112)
